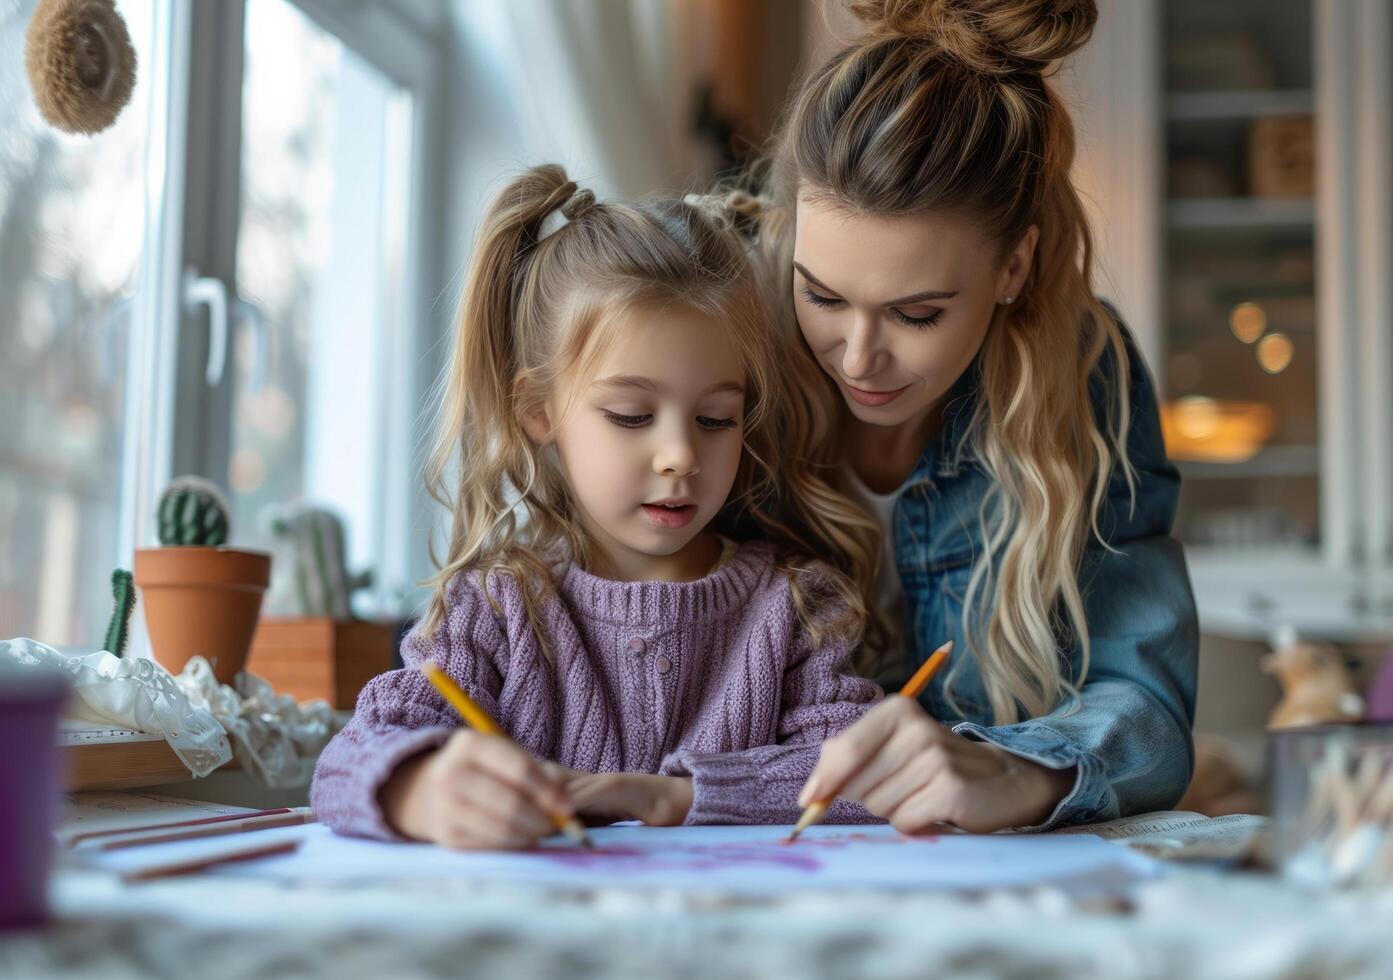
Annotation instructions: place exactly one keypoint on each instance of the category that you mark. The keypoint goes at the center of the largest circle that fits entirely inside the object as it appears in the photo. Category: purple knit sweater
(713, 679)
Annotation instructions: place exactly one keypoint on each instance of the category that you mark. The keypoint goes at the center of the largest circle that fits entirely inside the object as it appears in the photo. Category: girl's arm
(399, 721)
(820, 696)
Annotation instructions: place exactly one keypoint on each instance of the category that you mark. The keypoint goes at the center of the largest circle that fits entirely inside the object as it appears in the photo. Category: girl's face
(896, 307)
(651, 440)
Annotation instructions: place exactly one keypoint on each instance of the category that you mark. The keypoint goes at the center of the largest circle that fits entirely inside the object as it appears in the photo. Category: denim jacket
(1129, 731)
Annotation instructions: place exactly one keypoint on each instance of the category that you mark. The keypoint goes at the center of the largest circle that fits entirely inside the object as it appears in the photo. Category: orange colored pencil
(479, 720)
(913, 687)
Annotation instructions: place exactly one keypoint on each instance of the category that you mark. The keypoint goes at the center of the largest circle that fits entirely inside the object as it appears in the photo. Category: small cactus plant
(117, 631)
(192, 513)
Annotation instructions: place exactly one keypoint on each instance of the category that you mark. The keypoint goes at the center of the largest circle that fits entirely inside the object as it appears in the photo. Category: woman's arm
(1124, 746)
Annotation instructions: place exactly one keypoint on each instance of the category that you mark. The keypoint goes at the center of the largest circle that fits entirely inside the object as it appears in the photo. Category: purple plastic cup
(31, 700)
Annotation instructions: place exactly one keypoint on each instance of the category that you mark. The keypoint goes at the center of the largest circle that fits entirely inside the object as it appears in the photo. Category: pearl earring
(1007, 300)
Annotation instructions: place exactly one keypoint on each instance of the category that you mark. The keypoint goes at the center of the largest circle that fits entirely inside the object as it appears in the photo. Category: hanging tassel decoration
(81, 64)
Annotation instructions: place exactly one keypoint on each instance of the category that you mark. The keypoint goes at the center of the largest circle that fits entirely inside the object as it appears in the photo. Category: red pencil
(292, 819)
(202, 863)
(180, 823)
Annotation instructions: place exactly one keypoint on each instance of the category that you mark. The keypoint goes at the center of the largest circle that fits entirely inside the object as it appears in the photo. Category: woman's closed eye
(817, 299)
(912, 317)
(917, 316)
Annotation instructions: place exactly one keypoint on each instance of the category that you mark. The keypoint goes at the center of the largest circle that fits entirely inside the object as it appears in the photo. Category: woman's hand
(476, 792)
(659, 801)
(907, 768)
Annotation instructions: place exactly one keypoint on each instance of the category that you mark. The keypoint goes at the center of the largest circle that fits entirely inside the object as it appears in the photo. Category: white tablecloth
(1192, 924)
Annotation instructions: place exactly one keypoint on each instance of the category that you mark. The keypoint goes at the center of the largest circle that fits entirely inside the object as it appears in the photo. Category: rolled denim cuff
(1089, 801)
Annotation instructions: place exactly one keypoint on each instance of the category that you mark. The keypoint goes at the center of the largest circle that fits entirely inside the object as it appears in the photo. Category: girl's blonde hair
(944, 106)
(538, 305)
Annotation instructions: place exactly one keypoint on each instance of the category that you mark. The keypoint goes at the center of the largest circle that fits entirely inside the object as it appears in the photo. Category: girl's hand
(659, 801)
(907, 768)
(476, 792)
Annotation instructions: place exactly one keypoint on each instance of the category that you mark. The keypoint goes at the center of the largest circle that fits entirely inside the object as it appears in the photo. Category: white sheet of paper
(1181, 834)
(741, 859)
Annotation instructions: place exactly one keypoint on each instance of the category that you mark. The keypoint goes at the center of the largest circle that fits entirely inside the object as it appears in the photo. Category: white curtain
(598, 86)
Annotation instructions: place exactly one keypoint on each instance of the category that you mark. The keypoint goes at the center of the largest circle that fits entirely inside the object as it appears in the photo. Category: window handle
(209, 291)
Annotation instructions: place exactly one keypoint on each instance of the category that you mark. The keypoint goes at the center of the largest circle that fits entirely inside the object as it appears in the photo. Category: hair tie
(571, 208)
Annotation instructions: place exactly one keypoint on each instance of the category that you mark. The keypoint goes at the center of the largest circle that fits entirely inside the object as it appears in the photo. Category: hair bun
(995, 37)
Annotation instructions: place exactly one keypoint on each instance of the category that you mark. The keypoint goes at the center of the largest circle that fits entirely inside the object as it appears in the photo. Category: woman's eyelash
(917, 321)
(817, 299)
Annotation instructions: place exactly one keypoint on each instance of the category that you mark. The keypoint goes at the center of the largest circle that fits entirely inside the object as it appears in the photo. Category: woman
(996, 417)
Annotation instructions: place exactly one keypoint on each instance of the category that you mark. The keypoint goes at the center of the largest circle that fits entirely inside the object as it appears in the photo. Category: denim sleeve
(1129, 731)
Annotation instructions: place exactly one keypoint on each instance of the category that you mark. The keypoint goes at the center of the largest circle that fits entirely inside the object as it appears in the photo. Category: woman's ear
(1014, 273)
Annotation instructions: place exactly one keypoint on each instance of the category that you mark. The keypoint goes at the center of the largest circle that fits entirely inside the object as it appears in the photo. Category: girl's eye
(628, 421)
(817, 299)
(917, 321)
(715, 424)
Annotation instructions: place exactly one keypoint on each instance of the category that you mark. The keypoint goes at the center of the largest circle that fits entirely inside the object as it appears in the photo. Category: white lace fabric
(204, 722)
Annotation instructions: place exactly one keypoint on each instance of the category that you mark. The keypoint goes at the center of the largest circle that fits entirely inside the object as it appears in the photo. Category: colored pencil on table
(191, 865)
(478, 719)
(293, 818)
(913, 687)
(173, 824)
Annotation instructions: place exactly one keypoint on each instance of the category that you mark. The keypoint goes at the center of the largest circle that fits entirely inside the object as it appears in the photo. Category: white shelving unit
(1321, 264)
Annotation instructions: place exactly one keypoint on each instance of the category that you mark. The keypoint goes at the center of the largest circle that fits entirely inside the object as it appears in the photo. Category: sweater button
(663, 664)
(637, 646)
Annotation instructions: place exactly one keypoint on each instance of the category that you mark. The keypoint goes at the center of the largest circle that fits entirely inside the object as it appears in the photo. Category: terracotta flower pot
(202, 601)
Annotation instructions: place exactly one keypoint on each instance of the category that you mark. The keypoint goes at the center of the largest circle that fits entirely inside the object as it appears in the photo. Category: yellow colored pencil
(478, 719)
(913, 687)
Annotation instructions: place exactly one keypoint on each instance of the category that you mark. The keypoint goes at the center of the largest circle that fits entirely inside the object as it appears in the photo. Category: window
(318, 240)
(72, 210)
(325, 188)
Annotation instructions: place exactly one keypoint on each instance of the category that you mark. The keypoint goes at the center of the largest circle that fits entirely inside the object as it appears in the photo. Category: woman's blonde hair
(552, 271)
(944, 106)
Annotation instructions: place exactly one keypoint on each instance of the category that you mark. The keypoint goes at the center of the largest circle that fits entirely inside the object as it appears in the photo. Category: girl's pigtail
(477, 415)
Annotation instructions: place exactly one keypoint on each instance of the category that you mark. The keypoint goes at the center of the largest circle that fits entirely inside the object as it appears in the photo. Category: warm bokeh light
(1248, 321)
(1275, 352)
(1206, 430)
(246, 471)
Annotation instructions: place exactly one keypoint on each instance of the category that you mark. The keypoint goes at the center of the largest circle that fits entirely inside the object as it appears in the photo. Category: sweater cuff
(1089, 801)
(348, 800)
(756, 786)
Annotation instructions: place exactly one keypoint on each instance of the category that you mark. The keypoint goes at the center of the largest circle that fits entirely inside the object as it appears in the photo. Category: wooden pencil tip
(811, 815)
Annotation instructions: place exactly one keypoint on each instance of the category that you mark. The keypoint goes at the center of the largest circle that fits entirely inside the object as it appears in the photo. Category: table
(1194, 924)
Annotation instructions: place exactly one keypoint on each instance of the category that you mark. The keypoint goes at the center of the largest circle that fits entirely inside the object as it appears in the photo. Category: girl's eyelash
(817, 299)
(627, 421)
(917, 321)
(637, 421)
(715, 424)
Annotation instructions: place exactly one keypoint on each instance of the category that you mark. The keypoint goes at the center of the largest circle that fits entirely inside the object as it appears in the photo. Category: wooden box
(320, 658)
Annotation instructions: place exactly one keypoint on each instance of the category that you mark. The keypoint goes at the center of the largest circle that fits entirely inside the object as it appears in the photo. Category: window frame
(187, 424)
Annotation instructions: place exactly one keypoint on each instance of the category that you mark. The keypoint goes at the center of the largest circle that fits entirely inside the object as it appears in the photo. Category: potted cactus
(200, 597)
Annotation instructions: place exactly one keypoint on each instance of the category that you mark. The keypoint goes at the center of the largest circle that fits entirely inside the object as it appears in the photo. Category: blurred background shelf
(1229, 106)
(1229, 213)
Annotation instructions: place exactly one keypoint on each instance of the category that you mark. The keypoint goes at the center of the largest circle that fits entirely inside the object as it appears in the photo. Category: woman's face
(895, 307)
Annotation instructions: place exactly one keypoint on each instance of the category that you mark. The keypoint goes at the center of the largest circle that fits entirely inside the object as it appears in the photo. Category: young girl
(616, 405)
